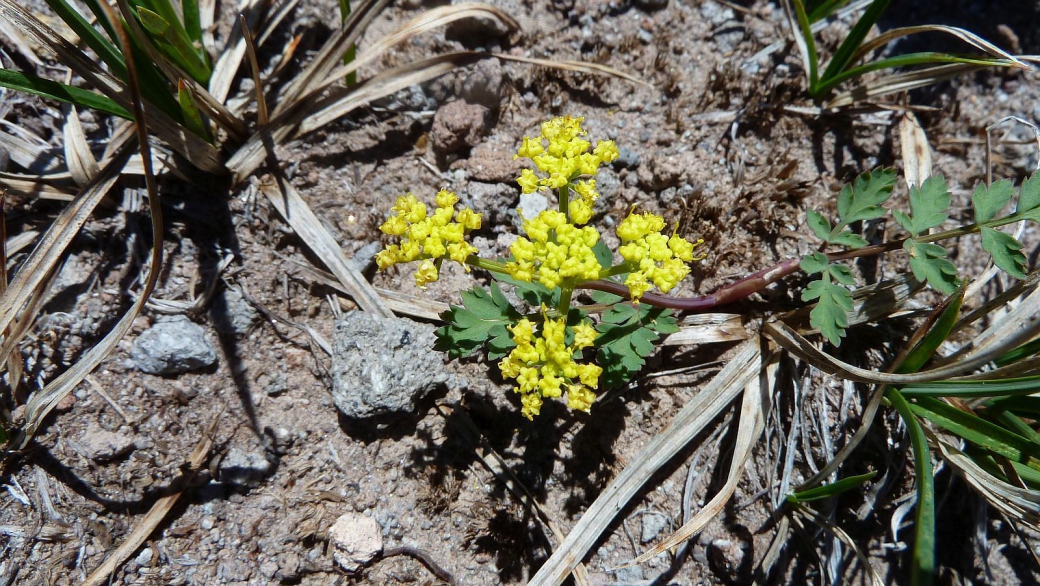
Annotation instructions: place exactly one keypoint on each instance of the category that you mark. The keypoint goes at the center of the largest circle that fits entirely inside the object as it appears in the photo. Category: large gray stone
(173, 346)
(383, 365)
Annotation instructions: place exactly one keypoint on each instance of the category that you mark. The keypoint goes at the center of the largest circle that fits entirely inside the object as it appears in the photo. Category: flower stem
(565, 302)
(487, 264)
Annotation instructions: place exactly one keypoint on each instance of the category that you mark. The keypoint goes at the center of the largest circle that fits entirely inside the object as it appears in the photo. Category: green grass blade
(171, 39)
(975, 389)
(192, 117)
(979, 431)
(104, 48)
(810, 44)
(192, 22)
(102, 19)
(1021, 353)
(58, 91)
(829, 490)
(935, 332)
(924, 58)
(348, 56)
(923, 571)
(848, 47)
(826, 9)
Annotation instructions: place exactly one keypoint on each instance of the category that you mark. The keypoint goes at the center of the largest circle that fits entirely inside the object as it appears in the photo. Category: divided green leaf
(849, 240)
(820, 225)
(1029, 198)
(830, 315)
(928, 205)
(483, 317)
(1006, 251)
(814, 263)
(842, 274)
(928, 263)
(534, 293)
(626, 338)
(603, 254)
(863, 198)
(990, 200)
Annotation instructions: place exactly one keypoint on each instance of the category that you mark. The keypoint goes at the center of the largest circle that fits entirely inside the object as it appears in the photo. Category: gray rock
(653, 525)
(383, 365)
(531, 204)
(232, 314)
(493, 199)
(627, 158)
(173, 346)
(244, 468)
(715, 13)
(102, 445)
(483, 86)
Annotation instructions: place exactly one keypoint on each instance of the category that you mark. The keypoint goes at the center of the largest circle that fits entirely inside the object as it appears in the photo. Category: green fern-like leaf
(1005, 250)
(928, 263)
(627, 336)
(990, 200)
(481, 319)
(862, 200)
(830, 315)
(928, 205)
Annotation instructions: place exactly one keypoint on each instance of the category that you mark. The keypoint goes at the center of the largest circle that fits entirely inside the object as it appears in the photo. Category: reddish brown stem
(737, 290)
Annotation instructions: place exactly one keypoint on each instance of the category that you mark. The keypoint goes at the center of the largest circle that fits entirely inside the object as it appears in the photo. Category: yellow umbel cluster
(563, 156)
(661, 260)
(554, 251)
(543, 365)
(428, 238)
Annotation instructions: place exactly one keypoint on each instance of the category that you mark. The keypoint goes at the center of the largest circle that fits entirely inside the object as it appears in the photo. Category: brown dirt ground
(717, 152)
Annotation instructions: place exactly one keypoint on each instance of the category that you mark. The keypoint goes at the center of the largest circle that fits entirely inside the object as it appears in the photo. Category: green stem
(565, 302)
(487, 264)
(620, 269)
(565, 200)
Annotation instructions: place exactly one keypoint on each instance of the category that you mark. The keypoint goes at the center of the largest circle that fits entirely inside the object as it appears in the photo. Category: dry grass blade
(291, 124)
(284, 197)
(1017, 503)
(917, 154)
(201, 154)
(755, 407)
(836, 531)
(230, 59)
(82, 164)
(578, 67)
(33, 188)
(52, 246)
(901, 82)
(331, 53)
(966, 36)
(794, 343)
(147, 524)
(426, 22)
(500, 469)
(1007, 331)
(44, 400)
(743, 367)
(708, 328)
(400, 303)
(37, 157)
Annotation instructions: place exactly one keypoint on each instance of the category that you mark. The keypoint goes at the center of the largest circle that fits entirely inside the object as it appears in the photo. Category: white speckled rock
(383, 365)
(357, 539)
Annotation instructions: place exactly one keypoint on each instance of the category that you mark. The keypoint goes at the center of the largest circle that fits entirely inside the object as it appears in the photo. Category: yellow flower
(561, 156)
(426, 273)
(660, 260)
(566, 257)
(544, 367)
(428, 237)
